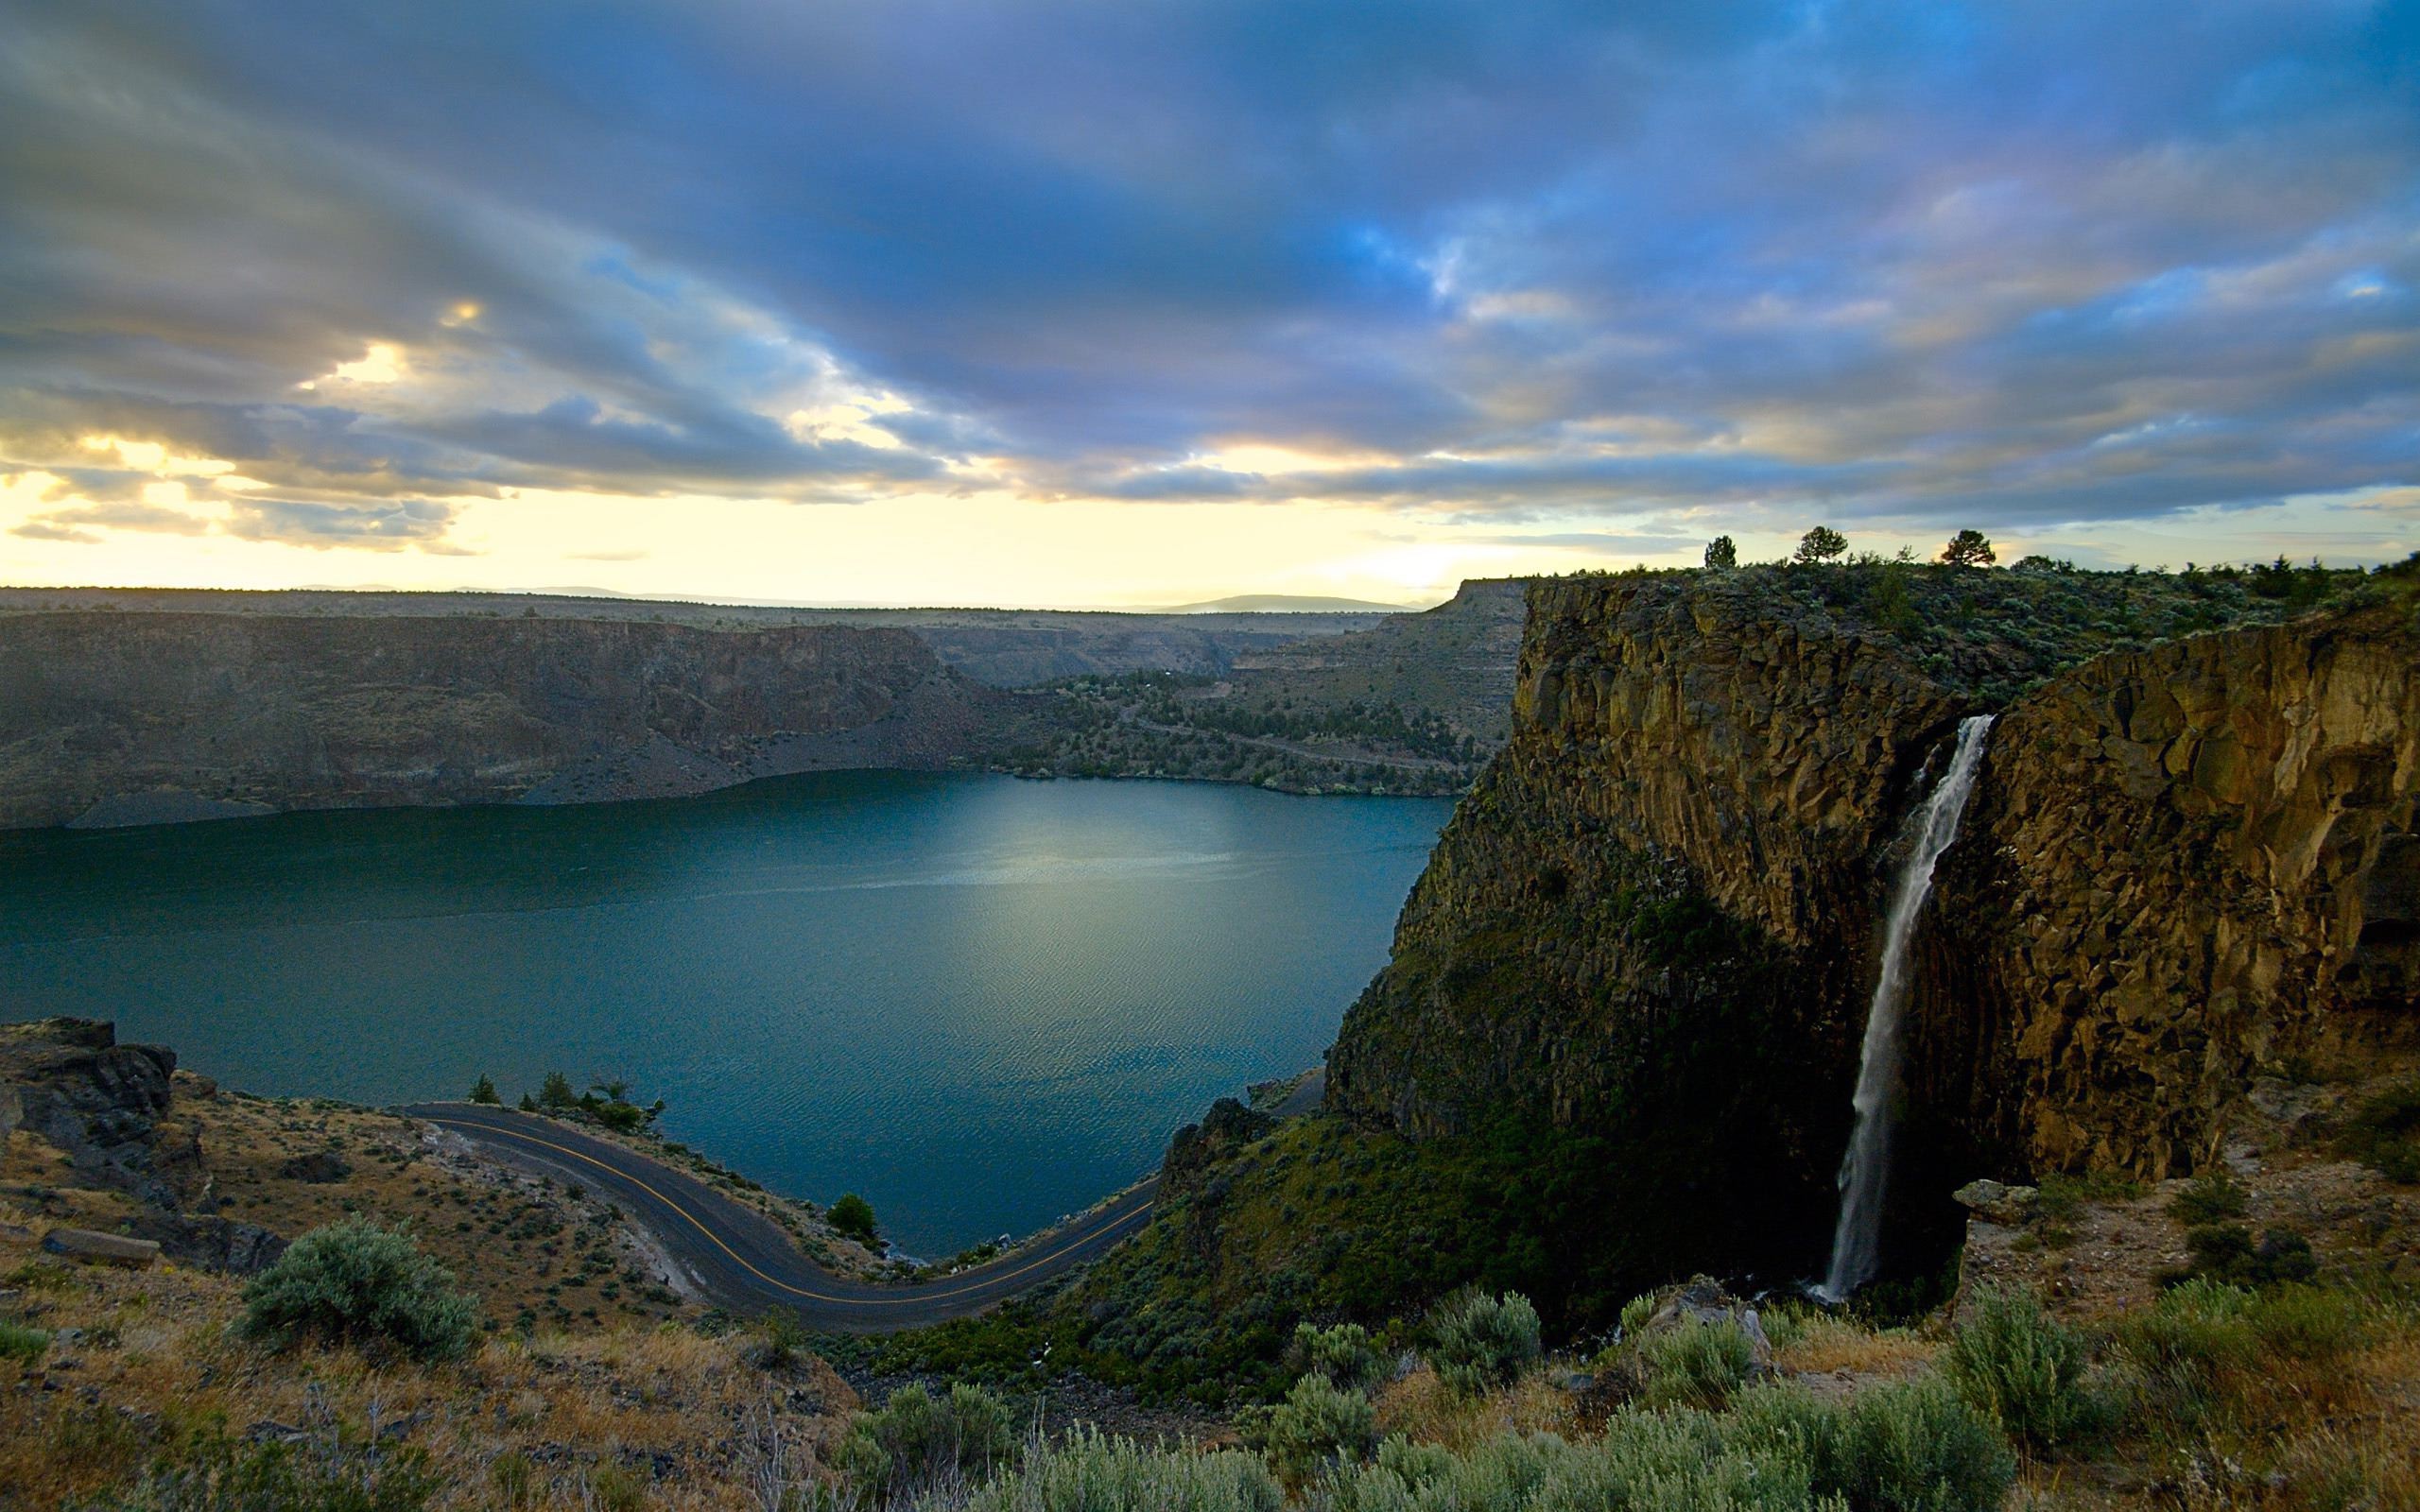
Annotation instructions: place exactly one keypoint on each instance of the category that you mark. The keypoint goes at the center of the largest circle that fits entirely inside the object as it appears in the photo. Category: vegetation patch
(355, 1282)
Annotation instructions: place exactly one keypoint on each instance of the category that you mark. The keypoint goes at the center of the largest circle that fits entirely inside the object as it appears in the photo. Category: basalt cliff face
(108, 717)
(1655, 916)
(2184, 864)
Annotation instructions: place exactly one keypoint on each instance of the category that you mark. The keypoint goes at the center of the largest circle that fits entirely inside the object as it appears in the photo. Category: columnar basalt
(1655, 915)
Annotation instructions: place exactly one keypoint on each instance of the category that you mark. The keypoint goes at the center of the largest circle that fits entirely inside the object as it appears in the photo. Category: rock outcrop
(70, 1084)
(2185, 863)
(133, 717)
(1654, 917)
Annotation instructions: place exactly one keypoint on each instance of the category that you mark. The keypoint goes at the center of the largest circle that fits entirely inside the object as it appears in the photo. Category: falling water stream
(1857, 1241)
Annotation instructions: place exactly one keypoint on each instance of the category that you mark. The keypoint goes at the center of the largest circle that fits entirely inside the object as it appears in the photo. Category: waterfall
(1864, 1168)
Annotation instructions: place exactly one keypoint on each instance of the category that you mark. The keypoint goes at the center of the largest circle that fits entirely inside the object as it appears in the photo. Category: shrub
(1916, 1447)
(623, 1118)
(2384, 1132)
(2304, 1322)
(2225, 1252)
(514, 1477)
(1902, 1448)
(785, 1341)
(1344, 1354)
(483, 1090)
(2188, 1344)
(918, 1443)
(1483, 1341)
(2211, 1197)
(2021, 1367)
(22, 1344)
(357, 1283)
(1694, 1365)
(854, 1217)
(555, 1092)
(1319, 1424)
(1086, 1472)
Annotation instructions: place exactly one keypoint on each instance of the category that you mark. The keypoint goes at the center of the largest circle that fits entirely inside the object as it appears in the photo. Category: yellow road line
(921, 1295)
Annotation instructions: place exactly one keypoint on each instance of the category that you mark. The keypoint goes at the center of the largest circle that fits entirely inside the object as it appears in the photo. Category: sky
(1105, 302)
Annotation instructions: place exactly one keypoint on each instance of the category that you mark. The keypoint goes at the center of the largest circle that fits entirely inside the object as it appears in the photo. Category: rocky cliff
(2185, 864)
(122, 717)
(1654, 917)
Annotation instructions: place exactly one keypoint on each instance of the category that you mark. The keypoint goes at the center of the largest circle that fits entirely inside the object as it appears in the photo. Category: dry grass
(688, 1418)
(1421, 1407)
(537, 1253)
(1828, 1344)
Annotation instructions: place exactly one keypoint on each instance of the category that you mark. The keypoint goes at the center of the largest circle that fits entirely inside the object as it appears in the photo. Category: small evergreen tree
(1968, 548)
(1722, 554)
(1821, 545)
(483, 1090)
(555, 1092)
(854, 1215)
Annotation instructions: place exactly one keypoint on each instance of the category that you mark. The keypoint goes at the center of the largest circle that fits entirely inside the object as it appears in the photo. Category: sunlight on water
(981, 1002)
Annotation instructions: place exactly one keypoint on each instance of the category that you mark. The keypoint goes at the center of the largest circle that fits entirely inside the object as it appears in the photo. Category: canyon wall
(122, 717)
(2184, 863)
(1655, 915)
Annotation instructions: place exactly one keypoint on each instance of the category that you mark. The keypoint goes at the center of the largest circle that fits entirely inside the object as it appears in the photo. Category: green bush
(2021, 1367)
(1483, 1341)
(2211, 1197)
(1916, 1447)
(483, 1090)
(2385, 1133)
(355, 1282)
(1342, 1354)
(1086, 1472)
(917, 1443)
(2225, 1252)
(1902, 1448)
(2185, 1346)
(854, 1217)
(1695, 1364)
(22, 1344)
(555, 1092)
(2304, 1322)
(1319, 1424)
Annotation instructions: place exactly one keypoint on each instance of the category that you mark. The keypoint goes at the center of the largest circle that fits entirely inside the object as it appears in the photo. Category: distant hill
(1286, 604)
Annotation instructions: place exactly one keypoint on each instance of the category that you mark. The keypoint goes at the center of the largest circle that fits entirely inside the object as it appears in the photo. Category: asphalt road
(743, 1261)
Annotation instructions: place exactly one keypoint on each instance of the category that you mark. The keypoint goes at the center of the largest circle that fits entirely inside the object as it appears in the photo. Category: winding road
(743, 1261)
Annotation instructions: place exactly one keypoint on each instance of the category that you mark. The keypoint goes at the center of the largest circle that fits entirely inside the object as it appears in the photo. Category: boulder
(99, 1248)
(1995, 1202)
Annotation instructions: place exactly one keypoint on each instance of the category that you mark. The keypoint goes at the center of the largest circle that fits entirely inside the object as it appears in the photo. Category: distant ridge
(1284, 604)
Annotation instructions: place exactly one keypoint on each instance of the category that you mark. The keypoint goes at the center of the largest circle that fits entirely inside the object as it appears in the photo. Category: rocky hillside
(1416, 704)
(1653, 920)
(120, 718)
(998, 647)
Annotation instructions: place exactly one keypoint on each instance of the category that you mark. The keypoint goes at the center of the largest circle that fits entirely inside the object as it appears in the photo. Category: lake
(982, 1002)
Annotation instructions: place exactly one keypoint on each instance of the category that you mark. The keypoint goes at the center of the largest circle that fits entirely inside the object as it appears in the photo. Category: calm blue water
(981, 1002)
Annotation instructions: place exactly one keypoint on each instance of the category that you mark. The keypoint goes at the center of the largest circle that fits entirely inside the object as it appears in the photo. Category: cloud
(1881, 259)
(39, 529)
(300, 522)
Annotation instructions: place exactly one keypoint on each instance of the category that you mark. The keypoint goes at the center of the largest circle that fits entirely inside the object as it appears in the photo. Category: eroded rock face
(136, 716)
(1655, 916)
(2186, 863)
(71, 1083)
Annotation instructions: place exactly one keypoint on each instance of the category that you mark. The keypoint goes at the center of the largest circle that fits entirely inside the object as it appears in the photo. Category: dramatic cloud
(336, 271)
